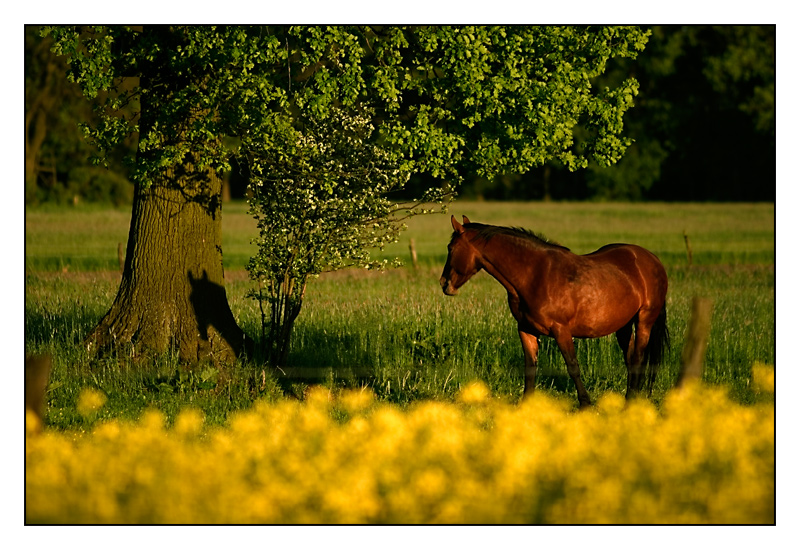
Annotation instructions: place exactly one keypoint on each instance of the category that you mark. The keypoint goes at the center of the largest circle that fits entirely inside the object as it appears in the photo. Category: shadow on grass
(318, 357)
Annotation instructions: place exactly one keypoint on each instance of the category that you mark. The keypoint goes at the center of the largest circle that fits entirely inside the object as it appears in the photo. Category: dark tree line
(57, 157)
(703, 127)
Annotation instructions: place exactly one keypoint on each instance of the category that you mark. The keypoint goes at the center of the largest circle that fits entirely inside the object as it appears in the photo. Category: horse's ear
(457, 226)
(466, 219)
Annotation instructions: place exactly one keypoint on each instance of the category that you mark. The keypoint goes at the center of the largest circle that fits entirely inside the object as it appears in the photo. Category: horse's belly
(597, 318)
(592, 298)
(587, 316)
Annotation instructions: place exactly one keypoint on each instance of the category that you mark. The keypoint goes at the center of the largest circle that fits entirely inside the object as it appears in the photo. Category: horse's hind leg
(640, 341)
(567, 347)
(627, 341)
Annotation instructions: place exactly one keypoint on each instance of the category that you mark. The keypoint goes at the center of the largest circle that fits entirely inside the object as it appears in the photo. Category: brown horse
(619, 288)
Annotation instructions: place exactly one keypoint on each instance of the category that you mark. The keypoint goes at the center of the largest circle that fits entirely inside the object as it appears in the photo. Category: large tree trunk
(172, 292)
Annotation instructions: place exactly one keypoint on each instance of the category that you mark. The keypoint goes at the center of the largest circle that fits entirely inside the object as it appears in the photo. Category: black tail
(656, 348)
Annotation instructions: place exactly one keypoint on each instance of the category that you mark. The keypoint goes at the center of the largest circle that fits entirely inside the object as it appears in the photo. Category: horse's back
(638, 263)
(624, 255)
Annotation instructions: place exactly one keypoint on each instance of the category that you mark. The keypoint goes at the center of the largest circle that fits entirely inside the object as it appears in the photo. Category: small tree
(321, 199)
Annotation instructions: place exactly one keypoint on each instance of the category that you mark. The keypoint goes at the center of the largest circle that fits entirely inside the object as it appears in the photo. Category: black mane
(486, 232)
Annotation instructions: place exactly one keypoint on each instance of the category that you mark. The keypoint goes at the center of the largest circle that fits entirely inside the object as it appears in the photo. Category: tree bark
(172, 292)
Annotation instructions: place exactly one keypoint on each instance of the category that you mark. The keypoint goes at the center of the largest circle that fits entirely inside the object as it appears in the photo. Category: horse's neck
(508, 261)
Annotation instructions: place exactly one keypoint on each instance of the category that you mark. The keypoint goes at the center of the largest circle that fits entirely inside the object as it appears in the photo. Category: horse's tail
(656, 348)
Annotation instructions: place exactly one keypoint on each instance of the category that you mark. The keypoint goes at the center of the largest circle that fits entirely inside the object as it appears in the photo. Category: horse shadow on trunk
(214, 317)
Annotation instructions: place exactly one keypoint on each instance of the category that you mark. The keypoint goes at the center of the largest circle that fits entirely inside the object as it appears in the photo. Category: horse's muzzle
(447, 287)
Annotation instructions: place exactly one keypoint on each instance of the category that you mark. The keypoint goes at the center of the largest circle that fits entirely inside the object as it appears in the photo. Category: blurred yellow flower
(189, 422)
(355, 401)
(152, 421)
(474, 393)
(33, 424)
(319, 396)
(611, 403)
(764, 377)
(90, 401)
(701, 458)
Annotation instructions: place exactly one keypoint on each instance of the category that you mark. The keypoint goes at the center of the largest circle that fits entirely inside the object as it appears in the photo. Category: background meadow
(394, 331)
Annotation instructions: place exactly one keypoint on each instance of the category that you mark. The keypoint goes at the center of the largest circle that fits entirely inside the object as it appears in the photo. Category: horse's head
(462, 260)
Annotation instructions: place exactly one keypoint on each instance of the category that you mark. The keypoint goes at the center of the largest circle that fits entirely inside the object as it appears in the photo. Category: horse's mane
(486, 232)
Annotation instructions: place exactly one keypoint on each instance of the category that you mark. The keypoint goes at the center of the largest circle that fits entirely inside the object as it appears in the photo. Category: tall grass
(395, 332)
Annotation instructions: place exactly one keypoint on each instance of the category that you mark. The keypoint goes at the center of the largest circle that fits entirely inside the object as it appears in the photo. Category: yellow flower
(152, 420)
(474, 393)
(611, 403)
(33, 424)
(188, 422)
(764, 377)
(356, 401)
(319, 396)
(701, 458)
(108, 430)
(90, 401)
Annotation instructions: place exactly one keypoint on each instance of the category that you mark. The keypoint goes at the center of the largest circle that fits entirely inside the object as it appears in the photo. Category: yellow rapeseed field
(701, 458)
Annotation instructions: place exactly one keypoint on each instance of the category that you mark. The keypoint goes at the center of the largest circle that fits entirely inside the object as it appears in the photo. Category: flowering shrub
(320, 198)
(348, 459)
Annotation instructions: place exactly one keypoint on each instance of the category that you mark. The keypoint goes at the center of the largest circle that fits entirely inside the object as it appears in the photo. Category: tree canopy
(695, 80)
(492, 99)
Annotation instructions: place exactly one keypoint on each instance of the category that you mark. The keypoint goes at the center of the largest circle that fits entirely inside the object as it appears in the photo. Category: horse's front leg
(530, 347)
(563, 338)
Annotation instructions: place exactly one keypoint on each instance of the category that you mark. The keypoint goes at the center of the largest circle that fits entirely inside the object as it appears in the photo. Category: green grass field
(395, 332)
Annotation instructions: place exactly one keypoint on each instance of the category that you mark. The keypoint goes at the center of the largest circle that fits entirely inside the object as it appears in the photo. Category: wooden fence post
(694, 348)
(412, 246)
(688, 247)
(37, 374)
